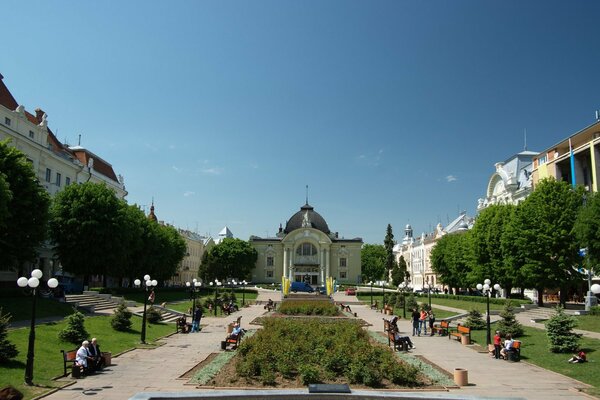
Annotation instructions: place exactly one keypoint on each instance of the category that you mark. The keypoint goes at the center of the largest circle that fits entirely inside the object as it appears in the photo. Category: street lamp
(193, 286)
(401, 288)
(149, 285)
(429, 293)
(244, 283)
(486, 289)
(371, 283)
(33, 283)
(217, 284)
(383, 291)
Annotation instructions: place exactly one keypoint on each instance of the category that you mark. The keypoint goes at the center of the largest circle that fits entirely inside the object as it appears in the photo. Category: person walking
(197, 318)
(423, 322)
(415, 321)
(431, 318)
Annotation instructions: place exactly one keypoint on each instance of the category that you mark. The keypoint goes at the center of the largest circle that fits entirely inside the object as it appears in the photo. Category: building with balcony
(306, 250)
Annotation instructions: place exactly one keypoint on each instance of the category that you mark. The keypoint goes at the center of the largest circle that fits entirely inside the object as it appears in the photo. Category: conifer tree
(7, 349)
(509, 323)
(559, 329)
(121, 320)
(75, 331)
(475, 320)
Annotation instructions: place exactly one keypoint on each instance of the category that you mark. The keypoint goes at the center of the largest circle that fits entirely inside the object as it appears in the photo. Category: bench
(69, 357)
(514, 353)
(398, 344)
(442, 329)
(181, 325)
(460, 332)
(230, 339)
(269, 306)
(386, 325)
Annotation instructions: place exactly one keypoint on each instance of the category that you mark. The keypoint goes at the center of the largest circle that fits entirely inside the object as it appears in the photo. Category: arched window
(306, 249)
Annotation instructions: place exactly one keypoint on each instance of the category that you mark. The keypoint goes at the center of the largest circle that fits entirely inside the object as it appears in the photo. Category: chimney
(39, 113)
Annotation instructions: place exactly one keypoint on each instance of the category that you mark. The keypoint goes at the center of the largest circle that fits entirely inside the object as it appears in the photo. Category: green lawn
(535, 350)
(184, 306)
(464, 305)
(48, 359)
(588, 323)
(441, 314)
(20, 308)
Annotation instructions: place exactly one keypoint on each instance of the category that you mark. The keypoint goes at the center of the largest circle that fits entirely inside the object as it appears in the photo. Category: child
(578, 358)
(497, 345)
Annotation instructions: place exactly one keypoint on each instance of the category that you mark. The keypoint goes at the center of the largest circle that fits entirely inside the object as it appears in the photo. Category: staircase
(95, 302)
(168, 315)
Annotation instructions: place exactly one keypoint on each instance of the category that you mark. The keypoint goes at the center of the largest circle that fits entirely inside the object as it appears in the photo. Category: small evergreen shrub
(121, 320)
(559, 329)
(309, 374)
(411, 302)
(75, 331)
(475, 320)
(594, 310)
(153, 316)
(509, 323)
(7, 349)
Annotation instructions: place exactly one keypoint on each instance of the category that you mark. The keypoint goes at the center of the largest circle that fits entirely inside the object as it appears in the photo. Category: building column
(593, 160)
(285, 261)
(327, 262)
(290, 263)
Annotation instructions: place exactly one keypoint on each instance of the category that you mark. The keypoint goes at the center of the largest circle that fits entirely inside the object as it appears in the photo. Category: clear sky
(222, 111)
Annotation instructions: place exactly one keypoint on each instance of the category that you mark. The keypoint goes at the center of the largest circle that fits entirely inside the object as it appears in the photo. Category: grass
(465, 305)
(184, 306)
(183, 295)
(48, 359)
(588, 323)
(535, 351)
(20, 308)
(441, 314)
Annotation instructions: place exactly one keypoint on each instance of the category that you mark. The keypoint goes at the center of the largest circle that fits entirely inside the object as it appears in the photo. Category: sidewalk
(159, 369)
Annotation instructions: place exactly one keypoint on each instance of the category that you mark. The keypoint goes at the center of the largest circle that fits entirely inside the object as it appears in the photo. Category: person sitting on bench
(508, 345)
(97, 361)
(83, 358)
(398, 338)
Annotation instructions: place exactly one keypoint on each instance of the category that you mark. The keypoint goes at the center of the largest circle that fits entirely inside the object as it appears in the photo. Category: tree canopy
(23, 208)
(388, 243)
(587, 228)
(232, 258)
(450, 259)
(372, 259)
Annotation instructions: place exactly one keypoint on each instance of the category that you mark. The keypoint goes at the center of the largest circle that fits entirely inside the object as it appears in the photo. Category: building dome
(306, 217)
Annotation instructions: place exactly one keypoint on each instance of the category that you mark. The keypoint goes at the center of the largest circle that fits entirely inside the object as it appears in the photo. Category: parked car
(301, 287)
(350, 291)
(322, 290)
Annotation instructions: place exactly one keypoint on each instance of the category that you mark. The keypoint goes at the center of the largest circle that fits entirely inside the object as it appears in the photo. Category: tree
(587, 228)
(23, 208)
(400, 272)
(232, 258)
(388, 243)
(75, 331)
(559, 329)
(486, 236)
(475, 320)
(540, 237)
(121, 320)
(451, 259)
(372, 260)
(7, 349)
(85, 226)
(509, 324)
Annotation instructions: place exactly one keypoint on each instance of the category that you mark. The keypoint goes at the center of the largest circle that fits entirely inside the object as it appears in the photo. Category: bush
(308, 307)
(309, 374)
(7, 349)
(153, 316)
(121, 320)
(475, 321)
(595, 310)
(559, 329)
(509, 323)
(75, 331)
(411, 302)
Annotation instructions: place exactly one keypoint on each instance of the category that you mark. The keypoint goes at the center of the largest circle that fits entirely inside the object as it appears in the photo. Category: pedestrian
(431, 317)
(415, 321)
(423, 322)
(196, 319)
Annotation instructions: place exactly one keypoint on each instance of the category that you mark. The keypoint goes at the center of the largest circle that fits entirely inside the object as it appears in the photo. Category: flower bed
(308, 307)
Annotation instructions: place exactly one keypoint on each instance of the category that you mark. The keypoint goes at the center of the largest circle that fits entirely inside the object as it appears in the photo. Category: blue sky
(391, 111)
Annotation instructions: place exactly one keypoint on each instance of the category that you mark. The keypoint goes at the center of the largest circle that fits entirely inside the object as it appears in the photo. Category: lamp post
(486, 289)
(193, 287)
(383, 291)
(217, 284)
(33, 283)
(371, 283)
(429, 293)
(402, 287)
(244, 283)
(149, 285)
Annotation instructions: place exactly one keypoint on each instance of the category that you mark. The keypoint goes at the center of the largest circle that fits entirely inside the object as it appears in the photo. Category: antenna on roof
(597, 115)
(306, 194)
(525, 136)
(79, 140)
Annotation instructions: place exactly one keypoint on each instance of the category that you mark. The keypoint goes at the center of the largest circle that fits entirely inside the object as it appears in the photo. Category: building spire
(306, 194)
(525, 137)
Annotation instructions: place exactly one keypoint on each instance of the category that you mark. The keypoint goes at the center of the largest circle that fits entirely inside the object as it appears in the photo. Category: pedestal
(590, 301)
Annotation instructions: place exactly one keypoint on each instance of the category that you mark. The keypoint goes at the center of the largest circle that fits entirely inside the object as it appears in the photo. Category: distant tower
(408, 235)
(152, 216)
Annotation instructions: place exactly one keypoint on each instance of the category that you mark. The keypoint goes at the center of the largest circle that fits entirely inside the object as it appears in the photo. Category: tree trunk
(507, 290)
(540, 296)
(104, 280)
(563, 296)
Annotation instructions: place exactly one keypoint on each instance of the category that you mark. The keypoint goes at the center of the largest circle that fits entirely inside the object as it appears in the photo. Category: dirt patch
(189, 374)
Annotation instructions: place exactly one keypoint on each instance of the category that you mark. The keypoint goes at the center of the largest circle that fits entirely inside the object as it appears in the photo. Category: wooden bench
(514, 353)
(270, 307)
(386, 325)
(460, 332)
(398, 344)
(181, 325)
(69, 357)
(233, 340)
(442, 328)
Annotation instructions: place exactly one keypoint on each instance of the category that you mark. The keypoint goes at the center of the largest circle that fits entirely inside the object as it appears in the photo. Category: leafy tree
(75, 331)
(23, 208)
(121, 320)
(509, 323)
(451, 258)
(475, 320)
(153, 315)
(173, 250)
(540, 237)
(400, 272)
(559, 329)
(232, 258)
(587, 228)
(86, 228)
(372, 260)
(411, 302)
(7, 349)
(486, 236)
(390, 260)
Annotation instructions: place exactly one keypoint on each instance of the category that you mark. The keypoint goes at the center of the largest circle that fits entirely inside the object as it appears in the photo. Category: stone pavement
(159, 369)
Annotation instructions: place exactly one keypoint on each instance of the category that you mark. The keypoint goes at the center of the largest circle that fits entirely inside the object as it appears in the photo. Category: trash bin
(464, 339)
(230, 327)
(76, 371)
(461, 376)
(107, 355)
(223, 345)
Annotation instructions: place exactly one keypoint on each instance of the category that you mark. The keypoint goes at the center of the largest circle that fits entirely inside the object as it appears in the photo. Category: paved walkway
(159, 369)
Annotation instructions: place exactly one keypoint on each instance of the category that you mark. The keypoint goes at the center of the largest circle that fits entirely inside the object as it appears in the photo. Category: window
(6, 121)
(542, 160)
(31, 134)
(58, 179)
(269, 261)
(342, 274)
(48, 174)
(269, 274)
(343, 262)
(67, 181)
(306, 249)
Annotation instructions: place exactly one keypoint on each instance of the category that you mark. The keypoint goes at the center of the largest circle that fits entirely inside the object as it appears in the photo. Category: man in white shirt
(83, 355)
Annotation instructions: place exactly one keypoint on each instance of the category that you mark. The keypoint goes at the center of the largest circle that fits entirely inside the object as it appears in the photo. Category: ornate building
(306, 250)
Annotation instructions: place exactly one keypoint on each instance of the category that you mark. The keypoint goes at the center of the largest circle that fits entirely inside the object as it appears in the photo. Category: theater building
(306, 250)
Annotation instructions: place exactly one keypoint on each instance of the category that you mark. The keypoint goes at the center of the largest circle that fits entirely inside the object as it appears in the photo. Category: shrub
(75, 331)
(559, 329)
(7, 349)
(595, 310)
(308, 307)
(309, 374)
(411, 302)
(121, 320)
(475, 320)
(153, 316)
(509, 323)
